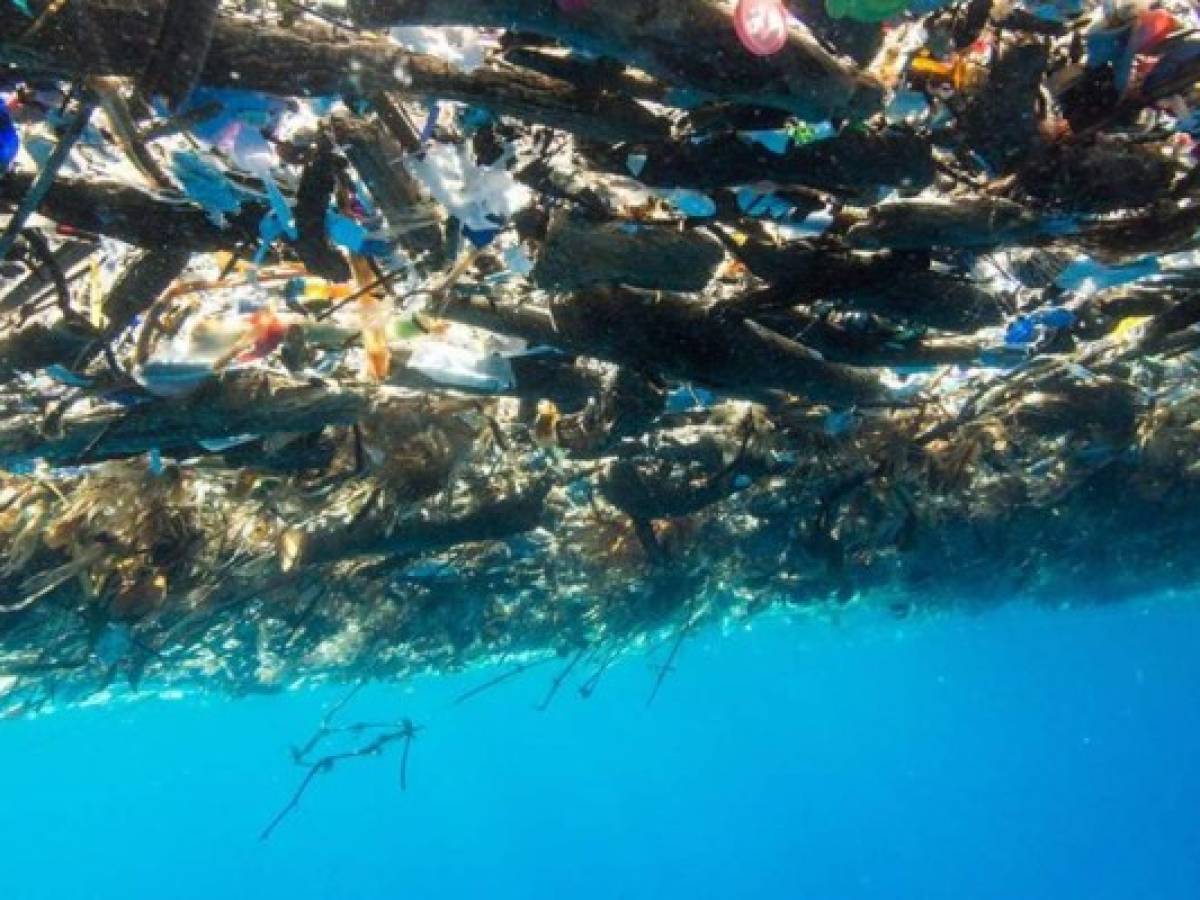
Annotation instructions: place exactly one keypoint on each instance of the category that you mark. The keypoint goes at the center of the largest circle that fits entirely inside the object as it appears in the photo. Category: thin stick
(365, 289)
(406, 731)
(516, 670)
(37, 191)
(668, 666)
(295, 799)
(325, 727)
(559, 679)
(589, 687)
(404, 762)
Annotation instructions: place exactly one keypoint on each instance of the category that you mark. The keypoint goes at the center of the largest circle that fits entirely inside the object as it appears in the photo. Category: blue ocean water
(1020, 753)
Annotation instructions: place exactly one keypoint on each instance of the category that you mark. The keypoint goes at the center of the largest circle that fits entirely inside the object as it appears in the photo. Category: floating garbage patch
(348, 340)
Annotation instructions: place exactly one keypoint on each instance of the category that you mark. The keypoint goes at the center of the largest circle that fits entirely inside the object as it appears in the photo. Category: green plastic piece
(803, 133)
(404, 327)
(865, 10)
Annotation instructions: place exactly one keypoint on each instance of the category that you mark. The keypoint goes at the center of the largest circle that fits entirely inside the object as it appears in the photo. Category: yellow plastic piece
(958, 72)
(1128, 327)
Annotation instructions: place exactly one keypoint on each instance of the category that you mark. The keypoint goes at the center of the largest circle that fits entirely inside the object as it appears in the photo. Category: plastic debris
(460, 367)
(205, 183)
(865, 10)
(462, 48)
(482, 198)
(10, 141)
(762, 26)
(943, 305)
(1087, 277)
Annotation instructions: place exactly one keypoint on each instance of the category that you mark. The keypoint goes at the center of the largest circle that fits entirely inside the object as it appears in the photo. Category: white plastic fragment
(173, 379)
(460, 367)
(814, 224)
(481, 197)
(219, 445)
(462, 48)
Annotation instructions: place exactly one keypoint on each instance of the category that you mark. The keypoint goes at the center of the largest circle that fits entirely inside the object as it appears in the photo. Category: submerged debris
(351, 341)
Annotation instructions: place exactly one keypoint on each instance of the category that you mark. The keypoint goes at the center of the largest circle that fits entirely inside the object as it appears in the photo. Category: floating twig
(560, 678)
(516, 670)
(404, 731)
(669, 666)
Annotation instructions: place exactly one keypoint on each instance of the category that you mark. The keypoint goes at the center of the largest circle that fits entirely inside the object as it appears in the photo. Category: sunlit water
(1019, 754)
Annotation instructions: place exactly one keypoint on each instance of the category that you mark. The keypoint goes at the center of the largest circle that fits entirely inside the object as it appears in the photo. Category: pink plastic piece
(761, 26)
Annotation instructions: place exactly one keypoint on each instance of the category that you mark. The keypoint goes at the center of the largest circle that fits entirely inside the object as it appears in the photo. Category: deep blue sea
(1020, 753)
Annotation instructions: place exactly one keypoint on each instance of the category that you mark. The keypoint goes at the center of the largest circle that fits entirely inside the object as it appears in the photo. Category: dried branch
(405, 731)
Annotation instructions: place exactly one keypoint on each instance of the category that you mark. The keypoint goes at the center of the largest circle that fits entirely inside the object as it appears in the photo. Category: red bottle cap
(761, 26)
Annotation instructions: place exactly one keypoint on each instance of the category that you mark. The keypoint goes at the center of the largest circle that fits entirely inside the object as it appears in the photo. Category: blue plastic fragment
(1054, 317)
(10, 141)
(1087, 275)
(376, 247)
(344, 231)
(430, 122)
(1107, 45)
(689, 397)
(476, 117)
(1021, 330)
(204, 183)
(283, 222)
(482, 237)
(1031, 328)
(250, 108)
(63, 375)
(128, 398)
(1170, 65)
(839, 422)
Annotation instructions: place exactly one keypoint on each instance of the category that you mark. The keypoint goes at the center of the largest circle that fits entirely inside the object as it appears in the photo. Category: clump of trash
(352, 339)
